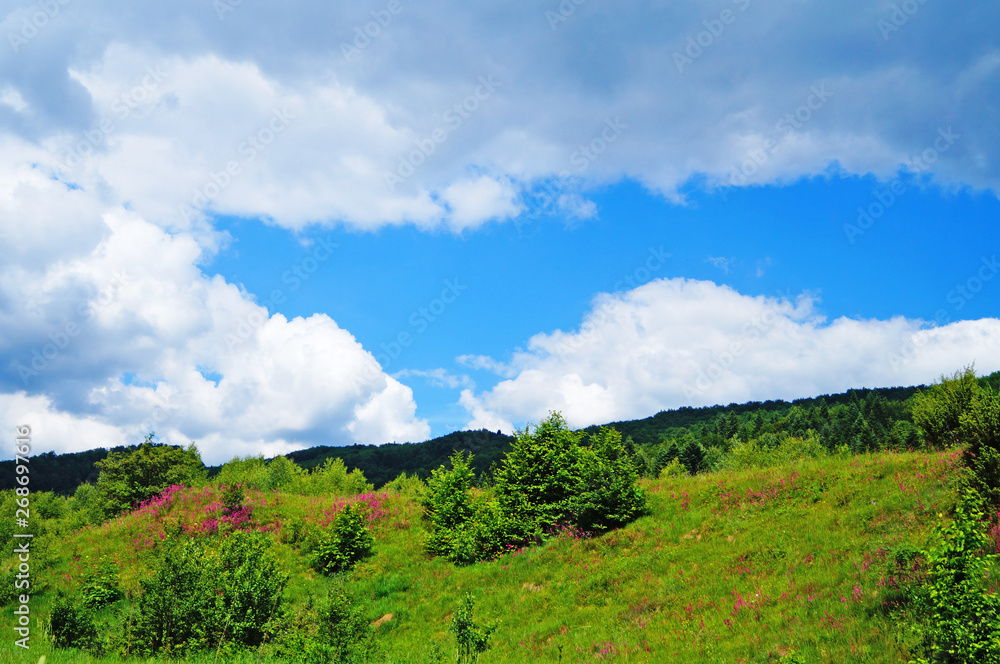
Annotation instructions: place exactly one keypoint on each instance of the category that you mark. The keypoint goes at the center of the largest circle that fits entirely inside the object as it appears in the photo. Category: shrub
(979, 432)
(673, 469)
(100, 585)
(936, 412)
(71, 624)
(333, 633)
(179, 610)
(233, 496)
(473, 640)
(962, 620)
(128, 478)
(447, 505)
(347, 544)
(607, 495)
(252, 583)
(333, 479)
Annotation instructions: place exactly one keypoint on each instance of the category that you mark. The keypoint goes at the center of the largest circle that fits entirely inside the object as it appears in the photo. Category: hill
(800, 563)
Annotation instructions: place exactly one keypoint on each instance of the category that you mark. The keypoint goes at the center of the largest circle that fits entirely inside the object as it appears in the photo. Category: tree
(128, 478)
(539, 477)
(979, 432)
(349, 542)
(473, 640)
(608, 496)
(937, 411)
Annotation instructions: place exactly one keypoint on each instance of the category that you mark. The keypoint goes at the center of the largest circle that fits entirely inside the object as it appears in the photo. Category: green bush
(348, 542)
(252, 583)
(179, 609)
(100, 585)
(447, 505)
(333, 633)
(961, 620)
(607, 495)
(333, 479)
(979, 432)
(71, 624)
(128, 478)
(937, 411)
(472, 639)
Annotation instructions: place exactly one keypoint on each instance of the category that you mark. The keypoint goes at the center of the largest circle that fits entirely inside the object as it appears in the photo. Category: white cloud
(678, 342)
(110, 328)
(754, 106)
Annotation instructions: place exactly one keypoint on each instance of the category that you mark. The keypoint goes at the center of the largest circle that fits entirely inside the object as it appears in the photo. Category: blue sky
(261, 228)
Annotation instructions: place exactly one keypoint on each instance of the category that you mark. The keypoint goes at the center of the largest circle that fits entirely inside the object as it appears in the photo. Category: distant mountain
(62, 473)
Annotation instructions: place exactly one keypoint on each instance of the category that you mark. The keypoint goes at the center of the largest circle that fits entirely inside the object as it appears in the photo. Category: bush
(606, 495)
(937, 411)
(71, 624)
(979, 432)
(347, 544)
(447, 505)
(252, 582)
(128, 478)
(100, 585)
(333, 479)
(473, 640)
(962, 620)
(333, 633)
(179, 610)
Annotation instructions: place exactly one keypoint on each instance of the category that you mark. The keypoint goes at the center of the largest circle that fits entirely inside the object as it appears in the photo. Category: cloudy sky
(265, 226)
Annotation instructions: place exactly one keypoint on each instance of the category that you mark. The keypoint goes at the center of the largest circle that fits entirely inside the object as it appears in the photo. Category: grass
(786, 564)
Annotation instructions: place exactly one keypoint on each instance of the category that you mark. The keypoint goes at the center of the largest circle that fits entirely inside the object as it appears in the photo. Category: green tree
(473, 639)
(252, 582)
(937, 410)
(539, 478)
(348, 543)
(447, 505)
(608, 495)
(129, 478)
(979, 433)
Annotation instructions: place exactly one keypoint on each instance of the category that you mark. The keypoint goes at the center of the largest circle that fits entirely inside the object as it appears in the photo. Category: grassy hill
(796, 563)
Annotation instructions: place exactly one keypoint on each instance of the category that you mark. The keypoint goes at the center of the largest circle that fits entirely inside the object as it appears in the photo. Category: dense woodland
(864, 419)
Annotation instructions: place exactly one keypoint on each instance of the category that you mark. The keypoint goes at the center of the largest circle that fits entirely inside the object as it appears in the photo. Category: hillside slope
(747, 566)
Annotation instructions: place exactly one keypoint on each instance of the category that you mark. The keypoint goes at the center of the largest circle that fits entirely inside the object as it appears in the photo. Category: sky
(261, 227)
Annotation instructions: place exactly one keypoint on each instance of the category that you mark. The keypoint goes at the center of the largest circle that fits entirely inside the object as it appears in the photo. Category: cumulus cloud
(111, 330)
(680, 342)
(314, 113)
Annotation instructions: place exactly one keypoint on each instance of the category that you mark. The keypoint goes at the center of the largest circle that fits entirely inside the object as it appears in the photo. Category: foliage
(101, 585)
(349, 542)
(127, 479)
(540, 476)
(252, 582)
(758, 453)
(332, 479)
(233, 496)
(963, 620)
(979, 432)
(606, 495)
(447, 505)
(333, 633)
(937, 411)
(673, 469)
(71, 624)
(179, 609)
(473, 640)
